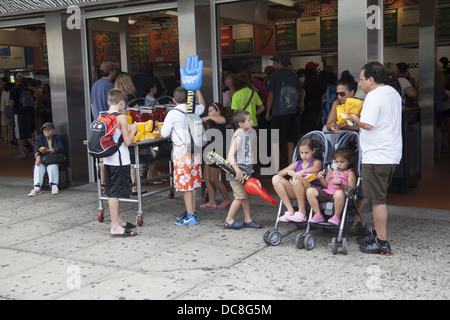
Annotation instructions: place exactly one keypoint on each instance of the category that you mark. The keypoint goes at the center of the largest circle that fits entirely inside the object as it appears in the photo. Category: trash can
(409, 171)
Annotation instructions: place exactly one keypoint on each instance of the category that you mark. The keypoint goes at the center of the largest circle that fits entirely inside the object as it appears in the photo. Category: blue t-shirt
(285, 86)
(99, 96)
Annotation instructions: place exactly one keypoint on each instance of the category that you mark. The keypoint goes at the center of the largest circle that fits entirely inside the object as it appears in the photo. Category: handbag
(55, 158)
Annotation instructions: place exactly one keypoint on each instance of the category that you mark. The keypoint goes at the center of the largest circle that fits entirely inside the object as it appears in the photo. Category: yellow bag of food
(353, 106)
(341, 115)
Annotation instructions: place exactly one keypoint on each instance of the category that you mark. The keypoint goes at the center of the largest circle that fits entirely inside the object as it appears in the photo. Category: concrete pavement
(53, 248)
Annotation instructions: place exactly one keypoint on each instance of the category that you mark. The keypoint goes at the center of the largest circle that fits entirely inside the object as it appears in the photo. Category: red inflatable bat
(252, 185)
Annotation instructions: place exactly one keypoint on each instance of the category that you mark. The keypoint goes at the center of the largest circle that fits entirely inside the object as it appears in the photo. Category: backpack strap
(248, 102)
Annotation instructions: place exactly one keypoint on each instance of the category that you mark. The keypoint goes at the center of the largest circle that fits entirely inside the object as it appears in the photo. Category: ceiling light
(288, 3)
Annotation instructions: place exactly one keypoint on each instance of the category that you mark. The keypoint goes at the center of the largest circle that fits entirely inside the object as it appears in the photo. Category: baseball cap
(109, 66)
(281, 57)
(48, 125)
(311, 65)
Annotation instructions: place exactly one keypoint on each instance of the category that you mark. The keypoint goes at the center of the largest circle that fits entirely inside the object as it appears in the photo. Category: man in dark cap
(282, 105)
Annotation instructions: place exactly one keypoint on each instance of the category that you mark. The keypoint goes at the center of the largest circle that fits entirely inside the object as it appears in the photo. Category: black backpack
(100, 138)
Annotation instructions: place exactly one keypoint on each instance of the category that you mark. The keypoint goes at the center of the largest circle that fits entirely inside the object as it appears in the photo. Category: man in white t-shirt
(381, 145)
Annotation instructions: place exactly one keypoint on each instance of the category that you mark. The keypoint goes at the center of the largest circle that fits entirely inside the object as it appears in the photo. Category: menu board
(285, 35)
(308, 30)
(237, 39)
(243, 39)
(408, 24)
(226, 40)
(44, 53)
(443, 21)
(107, 47)
(12, 57)
(139, 46)
(329, 32)
(390, 26)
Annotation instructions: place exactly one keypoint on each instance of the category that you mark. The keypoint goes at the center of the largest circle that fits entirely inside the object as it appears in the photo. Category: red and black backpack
(100, 138)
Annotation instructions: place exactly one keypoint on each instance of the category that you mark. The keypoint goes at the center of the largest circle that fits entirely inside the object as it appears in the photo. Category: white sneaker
(34, 192)
(55, 190)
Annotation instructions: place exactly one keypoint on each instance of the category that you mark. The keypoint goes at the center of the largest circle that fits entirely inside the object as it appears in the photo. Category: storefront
(69, 45)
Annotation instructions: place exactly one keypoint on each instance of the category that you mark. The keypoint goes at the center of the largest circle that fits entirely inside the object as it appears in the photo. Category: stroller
(350, 211)
(324, 152)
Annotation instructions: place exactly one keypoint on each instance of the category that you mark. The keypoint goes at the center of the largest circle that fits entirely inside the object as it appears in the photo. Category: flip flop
(225, 207)
(207, 207)
(129, 226)
(126, 233)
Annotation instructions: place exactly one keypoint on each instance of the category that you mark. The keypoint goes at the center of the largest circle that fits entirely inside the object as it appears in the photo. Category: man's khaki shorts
(239, 192)
(376, 179)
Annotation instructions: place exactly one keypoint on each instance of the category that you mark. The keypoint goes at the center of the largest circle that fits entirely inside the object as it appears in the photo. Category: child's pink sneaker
(334, 220)
(286, 216)
(298, 217)
(316, 219)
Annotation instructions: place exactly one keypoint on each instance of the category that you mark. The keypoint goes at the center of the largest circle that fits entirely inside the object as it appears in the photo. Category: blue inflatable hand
(191, 76)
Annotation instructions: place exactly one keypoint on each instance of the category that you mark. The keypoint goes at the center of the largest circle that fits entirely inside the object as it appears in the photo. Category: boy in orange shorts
(187, 166)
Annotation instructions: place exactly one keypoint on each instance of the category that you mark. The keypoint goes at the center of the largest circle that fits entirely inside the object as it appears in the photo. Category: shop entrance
(23, 50)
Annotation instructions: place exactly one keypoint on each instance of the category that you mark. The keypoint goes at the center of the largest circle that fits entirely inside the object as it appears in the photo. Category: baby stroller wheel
(309, 242)
(266, 235)
(171, 193)
(299, 241)
(274, 238)
(344, 246)
(100, 215)
(334, 246)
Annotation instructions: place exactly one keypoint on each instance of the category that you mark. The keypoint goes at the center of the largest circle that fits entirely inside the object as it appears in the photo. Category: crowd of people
(294, 103)
(280, 99)
(25, 106)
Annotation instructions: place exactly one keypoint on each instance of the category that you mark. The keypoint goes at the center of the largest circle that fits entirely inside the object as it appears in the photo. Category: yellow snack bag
(354, 106)
(341, 115)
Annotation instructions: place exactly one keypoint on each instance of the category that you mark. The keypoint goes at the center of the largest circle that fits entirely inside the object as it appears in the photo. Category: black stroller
(350, 211)
(324, 152)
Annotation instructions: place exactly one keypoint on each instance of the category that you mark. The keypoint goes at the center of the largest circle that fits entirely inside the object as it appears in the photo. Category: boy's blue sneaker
(183, 216)
(187, 220)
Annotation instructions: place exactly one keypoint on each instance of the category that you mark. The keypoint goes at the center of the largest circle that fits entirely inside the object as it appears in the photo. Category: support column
(359, 44)
(427, 65)
(195, 38)
(67, 91)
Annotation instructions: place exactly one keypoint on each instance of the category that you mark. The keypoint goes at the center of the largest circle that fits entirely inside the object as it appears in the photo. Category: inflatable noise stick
(252, 185)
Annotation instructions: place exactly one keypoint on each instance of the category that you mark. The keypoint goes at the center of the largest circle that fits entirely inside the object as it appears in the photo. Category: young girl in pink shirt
(333, 188)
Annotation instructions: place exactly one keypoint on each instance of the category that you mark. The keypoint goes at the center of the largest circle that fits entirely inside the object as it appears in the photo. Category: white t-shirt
(382, 144)
(124, 152)
(175, 120)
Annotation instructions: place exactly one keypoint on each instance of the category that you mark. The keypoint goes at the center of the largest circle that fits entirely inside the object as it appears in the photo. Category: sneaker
(376, 247)
(188, 220)
(34, 192)
(316, 219)
(285, 217)
(55, 190)
(367, 239)
(20, 156)
(334, 221)
(184, 216)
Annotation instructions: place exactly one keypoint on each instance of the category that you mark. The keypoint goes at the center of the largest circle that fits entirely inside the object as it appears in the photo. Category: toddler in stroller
(334, 188)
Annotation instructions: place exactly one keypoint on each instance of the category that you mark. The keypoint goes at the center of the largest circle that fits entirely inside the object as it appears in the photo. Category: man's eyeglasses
(340, 94)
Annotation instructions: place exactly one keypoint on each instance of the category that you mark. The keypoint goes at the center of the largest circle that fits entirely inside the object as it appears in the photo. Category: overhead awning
(22, 7)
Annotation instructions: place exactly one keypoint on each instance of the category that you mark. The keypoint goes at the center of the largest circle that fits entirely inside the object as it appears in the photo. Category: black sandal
(126, 233)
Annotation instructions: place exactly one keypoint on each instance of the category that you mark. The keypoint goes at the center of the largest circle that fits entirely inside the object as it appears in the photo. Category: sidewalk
(53, 247)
